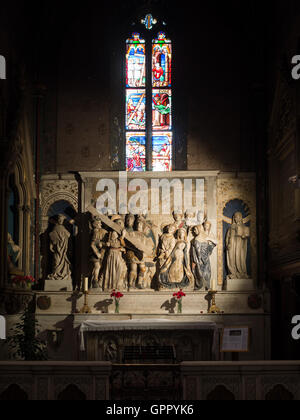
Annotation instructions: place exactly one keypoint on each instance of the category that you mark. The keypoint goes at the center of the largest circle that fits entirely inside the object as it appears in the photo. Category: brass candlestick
(213, 307)
(85, 309)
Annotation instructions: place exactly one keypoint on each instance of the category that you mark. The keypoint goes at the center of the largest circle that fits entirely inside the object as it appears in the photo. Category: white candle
(86, 284)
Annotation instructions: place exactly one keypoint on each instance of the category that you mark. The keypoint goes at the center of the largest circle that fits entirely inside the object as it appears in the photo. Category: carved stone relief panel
(151, 230)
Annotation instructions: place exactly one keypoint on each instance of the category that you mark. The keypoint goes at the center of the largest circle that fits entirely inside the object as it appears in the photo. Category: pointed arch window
(148, 122)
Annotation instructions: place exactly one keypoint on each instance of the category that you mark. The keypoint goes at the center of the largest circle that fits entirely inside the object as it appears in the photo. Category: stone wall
(84, 76)
(200, 381)
(49, 381)
(241, 381)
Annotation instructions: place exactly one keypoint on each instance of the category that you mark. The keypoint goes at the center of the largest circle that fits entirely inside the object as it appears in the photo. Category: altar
(106, 340)
(149, 235)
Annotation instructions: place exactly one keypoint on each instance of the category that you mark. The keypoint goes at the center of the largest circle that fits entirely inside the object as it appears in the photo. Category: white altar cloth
(146, 324)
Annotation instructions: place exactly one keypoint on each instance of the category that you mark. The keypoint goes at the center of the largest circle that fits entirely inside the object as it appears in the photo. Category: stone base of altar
(107, 340)
(61, 285)
(59, 318)
(240, 285)
(150, 302)
(62, 333)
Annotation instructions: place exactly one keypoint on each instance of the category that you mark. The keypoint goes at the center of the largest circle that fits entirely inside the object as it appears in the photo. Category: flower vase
(179, 307)
(117, 306)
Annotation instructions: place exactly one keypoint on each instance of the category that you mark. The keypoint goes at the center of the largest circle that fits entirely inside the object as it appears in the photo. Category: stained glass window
(162, 152)
(161, 109)
(149, 21)
(135, 62)
(136, 152)
(161, 61)
(148, 121)
(136, 109)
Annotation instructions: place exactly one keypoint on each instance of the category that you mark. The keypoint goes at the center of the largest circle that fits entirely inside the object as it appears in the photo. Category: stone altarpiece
(145, 278)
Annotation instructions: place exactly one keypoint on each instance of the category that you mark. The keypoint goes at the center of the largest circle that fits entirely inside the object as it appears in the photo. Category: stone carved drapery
(202, 247)
(59, 246)
(116, 270)
(99, 238)
(176, 270)
(237, 247)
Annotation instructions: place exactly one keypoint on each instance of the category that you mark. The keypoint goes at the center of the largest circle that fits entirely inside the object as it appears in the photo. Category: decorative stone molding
(191, 389)
(55, 189)
(83, 383)
(232, 383)
(44, 303)
(290, 383)
(250, 388)
(101, 389)
(42, 388)
(14, 301)
(25, 382)
(246, 381)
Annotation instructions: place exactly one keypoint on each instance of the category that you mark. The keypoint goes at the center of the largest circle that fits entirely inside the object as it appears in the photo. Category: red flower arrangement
(179, 295)
(117, 295)
(23, 282)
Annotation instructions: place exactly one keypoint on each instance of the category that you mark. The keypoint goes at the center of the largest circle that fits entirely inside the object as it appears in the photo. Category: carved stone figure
(98, 249)
(166, 244)
(176, 271)
(178, 220)
(13, 255)
(237, 248)
(190, 219)
(59, 245)
(129, 222)
(135, 260)
(111, 351)
(116, 270)
(202, 247)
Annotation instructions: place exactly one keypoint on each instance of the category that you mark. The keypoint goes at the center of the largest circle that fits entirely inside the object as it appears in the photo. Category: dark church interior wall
(218, 65)
(227, 61)
(283, 163)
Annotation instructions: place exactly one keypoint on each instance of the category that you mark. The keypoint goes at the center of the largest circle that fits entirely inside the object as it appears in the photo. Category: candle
(86, 284)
